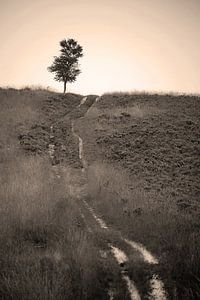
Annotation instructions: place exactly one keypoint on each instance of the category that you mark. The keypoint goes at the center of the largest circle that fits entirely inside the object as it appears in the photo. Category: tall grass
(155, 200)
(149, 219)
(26, 186)
(19, 110)
(45, 250)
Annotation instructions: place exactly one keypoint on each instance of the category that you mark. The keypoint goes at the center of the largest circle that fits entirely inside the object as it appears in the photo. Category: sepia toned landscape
(99, 200)
(99, 150)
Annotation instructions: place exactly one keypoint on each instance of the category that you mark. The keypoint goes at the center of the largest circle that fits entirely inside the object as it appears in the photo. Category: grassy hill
(143, 152)
(142, 178)
(46, 251)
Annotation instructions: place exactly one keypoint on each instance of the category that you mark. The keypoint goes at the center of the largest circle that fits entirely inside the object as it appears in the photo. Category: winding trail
(157, 287)
(157, 291)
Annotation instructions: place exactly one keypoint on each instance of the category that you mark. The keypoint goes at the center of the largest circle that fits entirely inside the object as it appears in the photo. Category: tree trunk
(64, 87)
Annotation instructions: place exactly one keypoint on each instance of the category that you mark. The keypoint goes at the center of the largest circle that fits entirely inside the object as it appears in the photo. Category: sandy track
(156, 290)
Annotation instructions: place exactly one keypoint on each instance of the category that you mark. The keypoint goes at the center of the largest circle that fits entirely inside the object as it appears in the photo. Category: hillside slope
(143, 154)
(141, 179)
(46, 250)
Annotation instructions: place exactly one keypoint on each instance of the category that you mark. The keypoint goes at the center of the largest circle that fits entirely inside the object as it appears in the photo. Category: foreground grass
(150, 220)
(142, 151)
(46, 251)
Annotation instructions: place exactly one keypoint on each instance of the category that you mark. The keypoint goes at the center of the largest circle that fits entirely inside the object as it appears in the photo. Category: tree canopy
(66, 66)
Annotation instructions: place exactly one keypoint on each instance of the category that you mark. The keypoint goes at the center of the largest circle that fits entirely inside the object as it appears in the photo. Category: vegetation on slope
(143, 152)
(46, 251)
(142, 178)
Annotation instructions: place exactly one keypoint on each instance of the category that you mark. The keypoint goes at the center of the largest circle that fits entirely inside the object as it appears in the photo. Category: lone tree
(66, 66)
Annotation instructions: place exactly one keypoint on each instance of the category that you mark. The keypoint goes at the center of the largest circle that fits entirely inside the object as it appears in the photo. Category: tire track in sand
(157, 291)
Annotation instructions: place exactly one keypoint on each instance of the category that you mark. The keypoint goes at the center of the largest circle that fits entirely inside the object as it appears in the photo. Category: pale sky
(128, 45)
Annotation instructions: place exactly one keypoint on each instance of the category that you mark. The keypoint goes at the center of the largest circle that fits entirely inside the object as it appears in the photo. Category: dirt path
(124, 251)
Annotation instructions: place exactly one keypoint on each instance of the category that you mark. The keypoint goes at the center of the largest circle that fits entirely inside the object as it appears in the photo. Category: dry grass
(143, 177)
(137, 111)
(17, 110)
(149, 219)
(25, 187)
(159, 142)
(45, 250)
